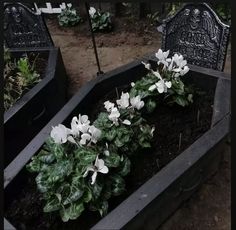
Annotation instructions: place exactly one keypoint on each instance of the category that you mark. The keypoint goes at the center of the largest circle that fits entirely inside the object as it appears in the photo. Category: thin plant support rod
(93, 39)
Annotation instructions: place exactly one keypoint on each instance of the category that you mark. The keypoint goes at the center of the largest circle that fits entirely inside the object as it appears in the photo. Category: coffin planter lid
(197, 32)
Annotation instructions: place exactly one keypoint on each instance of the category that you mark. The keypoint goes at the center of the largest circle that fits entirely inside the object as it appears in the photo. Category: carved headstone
(198, 34)
(24, 28)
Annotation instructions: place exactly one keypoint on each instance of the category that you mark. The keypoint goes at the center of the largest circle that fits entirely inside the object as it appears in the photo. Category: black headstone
(197, 33)
(24, 28)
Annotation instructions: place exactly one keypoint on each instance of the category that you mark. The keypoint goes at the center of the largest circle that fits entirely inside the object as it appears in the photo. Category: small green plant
(154, 18)
(27, 72)
(18, 77)
(224, 11)
(101, 21)
(68, 16)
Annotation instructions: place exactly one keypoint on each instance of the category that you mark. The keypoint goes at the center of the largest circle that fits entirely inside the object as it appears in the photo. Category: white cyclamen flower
(123, 102)
(92, 11)
(108, 106)
(161, 86)
(162, 57)
(59, 134)
(75, 127)
(146, 65)
(184, 70)
(95, 133)
(114, 115)
(99, 166)
(136, 102)
(132, 84)
(83, 123)
(179, 60)
(69, 5)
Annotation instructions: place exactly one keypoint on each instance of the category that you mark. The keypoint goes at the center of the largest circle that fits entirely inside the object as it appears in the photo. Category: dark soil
(25, 212)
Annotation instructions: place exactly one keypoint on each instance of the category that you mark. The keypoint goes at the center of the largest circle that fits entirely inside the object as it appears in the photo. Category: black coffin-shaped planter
(36, 107)
(158, 197)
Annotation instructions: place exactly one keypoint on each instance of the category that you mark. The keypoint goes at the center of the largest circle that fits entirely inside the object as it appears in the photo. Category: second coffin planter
(36, 107)
(160, 195)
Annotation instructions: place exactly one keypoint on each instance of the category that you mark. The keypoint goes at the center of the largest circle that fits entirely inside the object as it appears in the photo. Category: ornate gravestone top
(198, 34)
(24, 28)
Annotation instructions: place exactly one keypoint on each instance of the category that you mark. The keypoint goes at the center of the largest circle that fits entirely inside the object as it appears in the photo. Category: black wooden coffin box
(162, 194)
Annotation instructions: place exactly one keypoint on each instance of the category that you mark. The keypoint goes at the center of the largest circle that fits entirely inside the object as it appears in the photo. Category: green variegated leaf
(74, 195)
(85, 156)
(181, 101)
(118, 143)
(72, 212)
(103, 208)
(110, 134)
(96, 189)
(150, 105)
(102, 121)
(60, 170)
(113, 160)
(87, 196)
(34, 166)
(46, 157)
(118, 184)
(42, 182)
(52, 205)
(124, 167)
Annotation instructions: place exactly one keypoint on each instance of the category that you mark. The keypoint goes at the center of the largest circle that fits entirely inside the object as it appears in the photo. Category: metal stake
(93, 39)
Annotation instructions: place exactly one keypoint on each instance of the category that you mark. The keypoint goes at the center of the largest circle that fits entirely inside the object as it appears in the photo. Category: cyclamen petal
(157, 74)
(71, 139)
(74, 126)
(108, 105)
(168, 84)
(104, 169)
(126, 122)
(113, 116)
(95, 132)
(152, 87)
(184, 71)
(99, 163)
(132, 84)
(146, 65)
(92, 11)
(84, 138)
(83, 119)
(136, 102)
(94, 176)
(59, 134)
(160, 88)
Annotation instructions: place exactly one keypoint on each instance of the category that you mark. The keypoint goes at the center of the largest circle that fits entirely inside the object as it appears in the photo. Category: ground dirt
(209, 208)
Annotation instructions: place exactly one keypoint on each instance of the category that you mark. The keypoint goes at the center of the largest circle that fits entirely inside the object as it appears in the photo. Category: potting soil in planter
(176, 128)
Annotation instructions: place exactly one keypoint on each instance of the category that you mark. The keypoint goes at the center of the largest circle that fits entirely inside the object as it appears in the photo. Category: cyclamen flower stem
(180, 140)
(117, 93)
